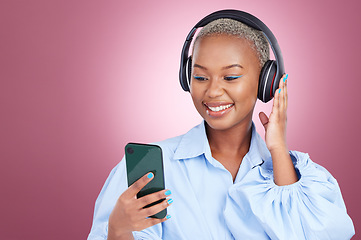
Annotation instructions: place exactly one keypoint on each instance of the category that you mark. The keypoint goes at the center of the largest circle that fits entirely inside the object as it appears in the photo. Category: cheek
(195, 97)
(244, 93)
(196, 92)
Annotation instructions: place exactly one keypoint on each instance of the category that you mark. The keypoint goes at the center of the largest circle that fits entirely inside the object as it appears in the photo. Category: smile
(220, 108)
(217, 110)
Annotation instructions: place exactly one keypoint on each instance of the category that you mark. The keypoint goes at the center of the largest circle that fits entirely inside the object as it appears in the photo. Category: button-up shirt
(208, 204)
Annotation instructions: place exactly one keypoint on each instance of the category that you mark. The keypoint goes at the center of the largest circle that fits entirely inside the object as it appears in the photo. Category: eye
(200, 78)
(230, 78)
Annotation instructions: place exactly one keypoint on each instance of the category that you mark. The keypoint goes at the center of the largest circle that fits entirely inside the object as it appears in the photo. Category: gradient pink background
(80, 79)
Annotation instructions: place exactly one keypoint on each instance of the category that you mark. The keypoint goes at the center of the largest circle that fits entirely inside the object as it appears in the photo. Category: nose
(214, 88)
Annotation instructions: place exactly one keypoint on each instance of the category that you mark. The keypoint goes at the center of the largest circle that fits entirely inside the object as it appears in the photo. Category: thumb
(264, 119)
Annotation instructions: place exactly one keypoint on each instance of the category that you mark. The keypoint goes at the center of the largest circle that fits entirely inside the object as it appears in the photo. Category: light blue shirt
(209, 205)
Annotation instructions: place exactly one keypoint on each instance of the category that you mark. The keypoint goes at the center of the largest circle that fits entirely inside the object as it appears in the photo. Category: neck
(233, 141)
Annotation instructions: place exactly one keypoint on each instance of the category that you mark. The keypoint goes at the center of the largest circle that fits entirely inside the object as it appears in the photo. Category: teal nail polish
(170, 201)
(279, 90)
(168, 216)
(286, 76)
(150, 175)
(167, 192)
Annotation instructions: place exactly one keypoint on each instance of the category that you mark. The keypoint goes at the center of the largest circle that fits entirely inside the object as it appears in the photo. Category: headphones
(272, 70)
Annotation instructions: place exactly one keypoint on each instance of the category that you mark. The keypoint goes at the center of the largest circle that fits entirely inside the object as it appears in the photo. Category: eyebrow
(226, 67)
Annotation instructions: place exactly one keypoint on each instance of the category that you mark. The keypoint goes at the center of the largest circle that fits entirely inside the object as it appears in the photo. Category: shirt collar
(195, 143)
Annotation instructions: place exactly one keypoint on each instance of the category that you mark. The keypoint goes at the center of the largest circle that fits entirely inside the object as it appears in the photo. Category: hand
(129, 213)
(275, 125)
(275, 135)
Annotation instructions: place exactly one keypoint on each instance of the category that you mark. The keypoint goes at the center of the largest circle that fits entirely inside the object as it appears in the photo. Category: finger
(264, 119)
(281, 83)
(281, 99)
(153, 221)
(286, 92)
(138, 185)
(276, 101)
(149, 211)
(153, 197)
(282, 92)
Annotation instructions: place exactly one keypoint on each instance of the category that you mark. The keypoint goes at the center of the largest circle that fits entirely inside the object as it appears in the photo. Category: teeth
(220, 108)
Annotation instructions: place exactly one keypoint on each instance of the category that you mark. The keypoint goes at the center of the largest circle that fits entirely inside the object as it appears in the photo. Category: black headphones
(272, 70)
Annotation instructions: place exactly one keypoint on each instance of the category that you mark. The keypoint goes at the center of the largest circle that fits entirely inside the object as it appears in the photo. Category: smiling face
(224, 80)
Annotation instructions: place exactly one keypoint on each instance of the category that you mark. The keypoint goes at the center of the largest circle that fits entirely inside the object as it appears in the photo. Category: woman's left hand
(275, 125)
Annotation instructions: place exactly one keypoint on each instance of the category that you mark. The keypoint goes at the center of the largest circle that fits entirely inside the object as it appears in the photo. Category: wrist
(281, 149)
(284, 172)
(125, 236)
(114, 235)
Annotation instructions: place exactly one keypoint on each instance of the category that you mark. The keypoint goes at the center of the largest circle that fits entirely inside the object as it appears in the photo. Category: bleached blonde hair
(227, 26)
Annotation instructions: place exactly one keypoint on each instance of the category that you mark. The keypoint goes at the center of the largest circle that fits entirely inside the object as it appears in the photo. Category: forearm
(284, 172)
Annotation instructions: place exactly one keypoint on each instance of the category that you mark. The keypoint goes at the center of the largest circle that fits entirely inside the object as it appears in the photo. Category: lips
(218, 109)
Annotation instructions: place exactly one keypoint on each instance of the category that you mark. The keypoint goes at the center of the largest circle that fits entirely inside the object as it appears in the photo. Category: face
(224, 82)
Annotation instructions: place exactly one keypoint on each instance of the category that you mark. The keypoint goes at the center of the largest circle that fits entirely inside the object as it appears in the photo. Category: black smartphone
(141, 159)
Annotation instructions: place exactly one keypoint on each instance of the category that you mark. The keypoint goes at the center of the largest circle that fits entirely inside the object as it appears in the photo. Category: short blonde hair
(226, 26)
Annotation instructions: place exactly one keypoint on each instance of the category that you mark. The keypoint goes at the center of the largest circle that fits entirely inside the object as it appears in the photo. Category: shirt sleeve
(311, 208)
(114, 186)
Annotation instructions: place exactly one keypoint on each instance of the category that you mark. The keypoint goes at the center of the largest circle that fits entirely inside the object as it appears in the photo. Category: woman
(223, 181)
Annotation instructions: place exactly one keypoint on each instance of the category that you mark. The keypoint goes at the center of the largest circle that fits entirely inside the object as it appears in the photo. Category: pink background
(80, 79)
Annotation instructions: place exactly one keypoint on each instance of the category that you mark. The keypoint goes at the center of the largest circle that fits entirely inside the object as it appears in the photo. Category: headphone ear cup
(267, 81)
(184, 73)
(189, 75)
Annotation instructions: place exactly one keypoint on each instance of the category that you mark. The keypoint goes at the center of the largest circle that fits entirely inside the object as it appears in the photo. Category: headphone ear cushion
(267, 82)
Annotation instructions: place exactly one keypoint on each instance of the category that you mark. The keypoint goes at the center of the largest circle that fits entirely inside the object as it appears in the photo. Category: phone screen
(141, 159)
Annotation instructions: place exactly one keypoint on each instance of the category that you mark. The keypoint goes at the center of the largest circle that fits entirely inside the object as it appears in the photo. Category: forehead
(224, 48)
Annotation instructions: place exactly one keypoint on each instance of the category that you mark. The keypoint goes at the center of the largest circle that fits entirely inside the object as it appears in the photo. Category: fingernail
(279, 90)
(167, 192)
(150, 175)
(286, 76)
(170, 201)
(168, 216)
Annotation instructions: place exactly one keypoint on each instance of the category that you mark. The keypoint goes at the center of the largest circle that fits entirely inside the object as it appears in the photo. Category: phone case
(141, 159)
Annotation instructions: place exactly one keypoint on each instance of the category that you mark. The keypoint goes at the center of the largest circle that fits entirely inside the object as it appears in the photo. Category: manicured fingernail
(170, 201)
(167, 192)
(279, 90)
(168, 216)
(150, 175)
(286, 76)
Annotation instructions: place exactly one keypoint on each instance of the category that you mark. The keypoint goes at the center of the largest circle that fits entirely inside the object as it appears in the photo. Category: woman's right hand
(129, 213)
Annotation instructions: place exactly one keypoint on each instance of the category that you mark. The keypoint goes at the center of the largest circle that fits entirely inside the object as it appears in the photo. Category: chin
(220, 124)
(227, 123)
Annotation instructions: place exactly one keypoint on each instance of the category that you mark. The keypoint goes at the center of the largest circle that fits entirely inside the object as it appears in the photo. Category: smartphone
(141, 159)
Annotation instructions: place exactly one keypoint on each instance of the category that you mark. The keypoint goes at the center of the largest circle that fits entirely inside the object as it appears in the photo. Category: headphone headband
(240, 16)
